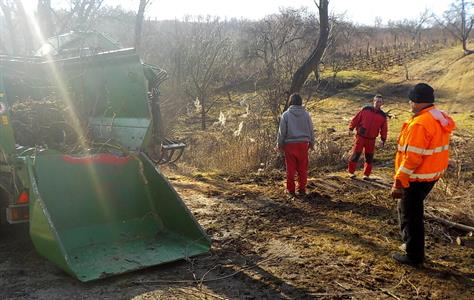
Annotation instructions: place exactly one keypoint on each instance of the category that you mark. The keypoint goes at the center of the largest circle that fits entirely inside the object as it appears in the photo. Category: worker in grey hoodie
(295, 138)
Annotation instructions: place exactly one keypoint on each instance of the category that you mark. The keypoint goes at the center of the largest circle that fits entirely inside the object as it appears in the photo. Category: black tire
(3, 213)
(4, 202)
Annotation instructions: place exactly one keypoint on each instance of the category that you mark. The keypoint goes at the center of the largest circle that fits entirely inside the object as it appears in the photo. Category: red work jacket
(369, 122)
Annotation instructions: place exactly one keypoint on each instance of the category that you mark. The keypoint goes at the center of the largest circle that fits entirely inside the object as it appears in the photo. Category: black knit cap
(422, 93)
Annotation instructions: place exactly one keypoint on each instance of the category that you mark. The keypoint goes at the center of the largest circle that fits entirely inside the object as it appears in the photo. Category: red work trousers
(368, 146)
(296, 160)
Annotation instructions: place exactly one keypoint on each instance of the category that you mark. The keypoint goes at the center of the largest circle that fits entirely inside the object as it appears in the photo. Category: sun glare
(63, 93)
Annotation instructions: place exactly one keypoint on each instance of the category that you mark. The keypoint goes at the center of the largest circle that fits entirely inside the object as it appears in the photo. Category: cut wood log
(451, 224)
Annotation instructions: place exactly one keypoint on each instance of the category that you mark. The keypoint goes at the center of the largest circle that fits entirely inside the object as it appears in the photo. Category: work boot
(406, 260)
(301, 193)
(351, 175)
(290, 195)
(366, 177)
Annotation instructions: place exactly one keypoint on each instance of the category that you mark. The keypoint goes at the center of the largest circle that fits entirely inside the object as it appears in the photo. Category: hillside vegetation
(335, 243)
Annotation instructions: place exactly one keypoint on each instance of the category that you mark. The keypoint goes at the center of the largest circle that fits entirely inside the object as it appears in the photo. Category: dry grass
(330, 151)
(254, 149)
(447, 70)
(453, 195)
(247, 149)
(453, 200)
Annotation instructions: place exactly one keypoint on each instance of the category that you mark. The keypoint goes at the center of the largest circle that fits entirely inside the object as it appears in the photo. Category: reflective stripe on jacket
(423, 144)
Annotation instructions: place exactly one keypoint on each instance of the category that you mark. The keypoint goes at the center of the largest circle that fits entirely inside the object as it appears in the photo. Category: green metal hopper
(99, 215)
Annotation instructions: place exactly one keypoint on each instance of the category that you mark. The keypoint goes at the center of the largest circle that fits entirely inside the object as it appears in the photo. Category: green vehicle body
(108, 210)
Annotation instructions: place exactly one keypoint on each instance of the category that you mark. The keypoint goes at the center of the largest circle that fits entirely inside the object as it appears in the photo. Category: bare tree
(275, 38)
(45, 18)
(314, 58)
(9, 8)
(81, 15)
(278, 43)
(3, 49)
(395, 32)
(414, 27)
(459, 20)
(339, 36)
(205, 57)
(378, 22)
(139, 24)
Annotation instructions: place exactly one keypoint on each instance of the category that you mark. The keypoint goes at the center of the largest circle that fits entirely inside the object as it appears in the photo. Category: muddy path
(335, 244)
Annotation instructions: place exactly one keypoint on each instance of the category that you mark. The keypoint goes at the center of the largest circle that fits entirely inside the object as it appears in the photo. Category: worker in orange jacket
(421, 159)
(368, 123)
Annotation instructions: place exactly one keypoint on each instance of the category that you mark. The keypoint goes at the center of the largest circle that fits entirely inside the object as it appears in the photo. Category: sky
(357, 11)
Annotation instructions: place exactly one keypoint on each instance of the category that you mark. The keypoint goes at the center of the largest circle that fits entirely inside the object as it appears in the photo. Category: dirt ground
(335, 244)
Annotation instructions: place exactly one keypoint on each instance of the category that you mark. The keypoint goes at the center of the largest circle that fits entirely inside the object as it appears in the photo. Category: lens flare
(62, 89)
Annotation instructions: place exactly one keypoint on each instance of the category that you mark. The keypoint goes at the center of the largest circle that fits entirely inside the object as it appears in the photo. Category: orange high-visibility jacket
(423, 147)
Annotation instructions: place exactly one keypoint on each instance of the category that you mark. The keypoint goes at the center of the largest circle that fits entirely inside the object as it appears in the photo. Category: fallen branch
(202, 292)
(340, 294)
(390, 294)
(451, 224)
(204, 280)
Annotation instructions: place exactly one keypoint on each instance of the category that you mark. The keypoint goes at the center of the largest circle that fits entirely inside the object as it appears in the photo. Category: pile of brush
(46, 123)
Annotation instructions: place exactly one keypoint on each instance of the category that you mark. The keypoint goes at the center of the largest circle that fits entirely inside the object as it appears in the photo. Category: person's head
(295, 99)
(378, 101)
(421, 96)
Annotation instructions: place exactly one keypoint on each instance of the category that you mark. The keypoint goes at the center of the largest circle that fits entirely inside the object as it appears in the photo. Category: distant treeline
(206, 57)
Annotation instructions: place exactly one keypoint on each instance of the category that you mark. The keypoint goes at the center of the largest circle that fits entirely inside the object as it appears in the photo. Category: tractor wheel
(4, 200)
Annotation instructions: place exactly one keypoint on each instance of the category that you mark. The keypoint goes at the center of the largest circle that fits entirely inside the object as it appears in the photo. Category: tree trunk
(203, 112)
(464, 30)
(7, 14)
(2, 47)
(139, 25)
(464, 47)
(45, 18)
(407, 76)
(314, 59)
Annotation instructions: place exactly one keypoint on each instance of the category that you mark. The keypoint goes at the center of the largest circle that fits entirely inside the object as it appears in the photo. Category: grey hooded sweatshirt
(296, 126)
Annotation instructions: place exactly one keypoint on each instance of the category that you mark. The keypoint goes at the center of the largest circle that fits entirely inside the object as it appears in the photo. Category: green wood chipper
(102, 208)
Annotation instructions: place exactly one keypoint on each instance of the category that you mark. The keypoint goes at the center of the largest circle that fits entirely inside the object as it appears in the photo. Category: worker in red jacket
(369, 123)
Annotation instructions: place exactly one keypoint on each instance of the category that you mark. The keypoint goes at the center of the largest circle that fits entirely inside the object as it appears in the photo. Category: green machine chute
(99, 215)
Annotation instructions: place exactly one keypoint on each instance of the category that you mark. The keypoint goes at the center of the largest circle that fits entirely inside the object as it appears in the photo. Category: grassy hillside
(449, 72)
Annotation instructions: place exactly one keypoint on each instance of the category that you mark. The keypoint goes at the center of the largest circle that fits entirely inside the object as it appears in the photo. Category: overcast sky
(358, 11)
